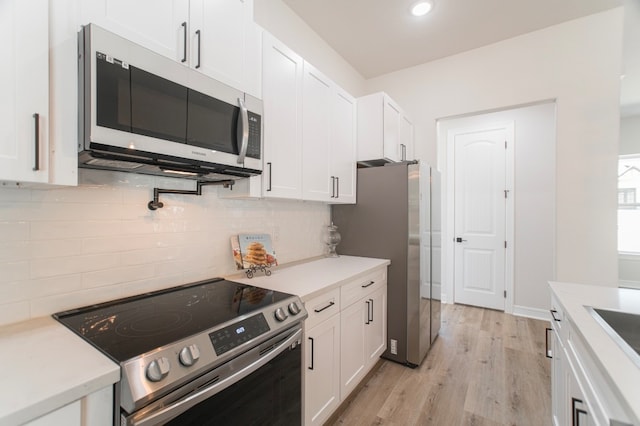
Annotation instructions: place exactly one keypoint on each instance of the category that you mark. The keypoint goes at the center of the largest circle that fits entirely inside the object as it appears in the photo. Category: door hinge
(505, 294)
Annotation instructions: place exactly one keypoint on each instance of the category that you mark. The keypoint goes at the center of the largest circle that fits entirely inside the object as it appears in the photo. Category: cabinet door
(159, 25)
(558, 381)
(220, 32)
(575, 403)
(406, 140)
(322, 371)
(391, 124)
(24, 84)
(282, 90)
(353, 353)
(343, 147)
(317, 103)
(376, 325)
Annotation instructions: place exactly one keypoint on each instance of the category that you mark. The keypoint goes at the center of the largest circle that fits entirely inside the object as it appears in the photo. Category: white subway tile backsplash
(62, 248)
(117, 275)
(14, 230)
(14, 271)
(50, 267)
(14, 312)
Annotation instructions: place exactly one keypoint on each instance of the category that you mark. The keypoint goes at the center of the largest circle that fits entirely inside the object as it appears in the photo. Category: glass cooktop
(126, 328)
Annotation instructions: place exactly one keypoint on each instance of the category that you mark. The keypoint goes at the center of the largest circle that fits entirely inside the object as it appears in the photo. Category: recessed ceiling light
(421, 8)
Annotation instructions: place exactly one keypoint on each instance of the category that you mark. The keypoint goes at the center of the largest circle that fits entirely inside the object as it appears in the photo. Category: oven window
(113, 103)
(158, 106)
(212, 123)
(269, 396)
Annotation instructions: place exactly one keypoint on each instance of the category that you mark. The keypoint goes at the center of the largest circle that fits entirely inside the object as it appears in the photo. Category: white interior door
(480, 216)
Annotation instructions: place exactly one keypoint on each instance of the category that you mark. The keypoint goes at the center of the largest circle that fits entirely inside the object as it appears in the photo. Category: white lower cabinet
(345, 334)
(580, 393)
(95, 409)
(322, 374)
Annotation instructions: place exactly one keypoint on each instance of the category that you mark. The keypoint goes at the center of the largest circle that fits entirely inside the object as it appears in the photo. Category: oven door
(260, 387)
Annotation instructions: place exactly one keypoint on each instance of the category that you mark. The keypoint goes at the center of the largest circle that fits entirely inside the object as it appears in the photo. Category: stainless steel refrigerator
(397, 217)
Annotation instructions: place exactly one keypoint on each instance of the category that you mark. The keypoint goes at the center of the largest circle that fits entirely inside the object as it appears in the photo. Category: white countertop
(46, 366)
(309, 279)
(623, 373)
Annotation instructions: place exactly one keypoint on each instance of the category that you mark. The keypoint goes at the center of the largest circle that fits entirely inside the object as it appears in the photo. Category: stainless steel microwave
(145, 113)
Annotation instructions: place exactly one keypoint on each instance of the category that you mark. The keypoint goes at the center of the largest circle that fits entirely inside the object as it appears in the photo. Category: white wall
(68, 247)
(277, 18)
(534, 202)
(577, 64)
(630, 135)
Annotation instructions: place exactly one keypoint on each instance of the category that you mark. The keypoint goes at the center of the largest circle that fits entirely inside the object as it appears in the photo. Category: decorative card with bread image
(256, 250)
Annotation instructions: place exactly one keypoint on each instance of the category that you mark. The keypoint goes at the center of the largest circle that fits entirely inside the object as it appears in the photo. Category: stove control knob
(294, 309)
(280, 314)
(158, 369)
(189, 355)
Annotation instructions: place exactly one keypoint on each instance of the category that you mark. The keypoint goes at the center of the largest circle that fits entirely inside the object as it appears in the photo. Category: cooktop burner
(129, 327)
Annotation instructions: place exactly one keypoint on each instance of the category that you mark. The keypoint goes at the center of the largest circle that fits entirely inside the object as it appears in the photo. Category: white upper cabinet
(329, 144)
(282, 90)
(384, 132)
(343, 147)
(24, 84)
(317, 102)
(216, 37)
(407, 150)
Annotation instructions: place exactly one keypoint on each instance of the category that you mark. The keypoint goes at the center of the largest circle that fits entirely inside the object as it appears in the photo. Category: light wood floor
(485, 368)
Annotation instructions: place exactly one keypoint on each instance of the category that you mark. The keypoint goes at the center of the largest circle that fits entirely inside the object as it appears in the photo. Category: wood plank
(486, 368)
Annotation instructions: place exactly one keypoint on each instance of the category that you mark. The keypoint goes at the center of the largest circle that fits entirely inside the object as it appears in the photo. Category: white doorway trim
(448, 187)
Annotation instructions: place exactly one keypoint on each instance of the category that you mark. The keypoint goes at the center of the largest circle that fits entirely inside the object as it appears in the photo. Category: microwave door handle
(244, 114)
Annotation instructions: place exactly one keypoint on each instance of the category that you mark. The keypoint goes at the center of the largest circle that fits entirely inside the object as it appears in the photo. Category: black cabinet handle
(578, 412)
(371, 306)
(553, 312)
(326, 307)
(574, 411)
(367, 285)
(333, 187)
(548, 353)
(269, 181)
(199, 42)
(337, 187)
(36, 165)
(184, 44)
(368, 310)
(311, 366)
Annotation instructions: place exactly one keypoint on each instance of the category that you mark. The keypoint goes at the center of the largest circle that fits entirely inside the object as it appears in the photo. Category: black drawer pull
(368, 285)
(326, 307)
(553, 312)
(548, 353)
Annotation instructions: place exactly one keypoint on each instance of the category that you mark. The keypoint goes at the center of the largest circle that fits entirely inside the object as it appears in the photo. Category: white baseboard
(629, 284)
(535, 313)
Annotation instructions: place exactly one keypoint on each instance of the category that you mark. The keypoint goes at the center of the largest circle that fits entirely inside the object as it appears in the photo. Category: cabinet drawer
(358, 288)
(322, 307)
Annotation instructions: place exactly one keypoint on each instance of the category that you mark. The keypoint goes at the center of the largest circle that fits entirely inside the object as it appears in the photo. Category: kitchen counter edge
(46, 366)
(622, 373)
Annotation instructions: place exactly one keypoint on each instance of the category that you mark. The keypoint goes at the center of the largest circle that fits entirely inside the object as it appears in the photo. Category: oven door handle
(166, 413)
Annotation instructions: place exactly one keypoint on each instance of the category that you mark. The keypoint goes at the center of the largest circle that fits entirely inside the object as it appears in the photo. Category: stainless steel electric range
(211, 352)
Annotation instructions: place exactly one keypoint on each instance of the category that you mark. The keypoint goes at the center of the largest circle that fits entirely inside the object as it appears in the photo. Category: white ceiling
(380, 36)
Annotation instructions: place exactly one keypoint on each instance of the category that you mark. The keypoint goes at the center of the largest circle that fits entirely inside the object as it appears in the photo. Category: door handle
(337, 187)
(371, 306)
(333, 187)
(368, 311)
(311, 366)
(553, 312)
(460, 240)
(269, 182)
